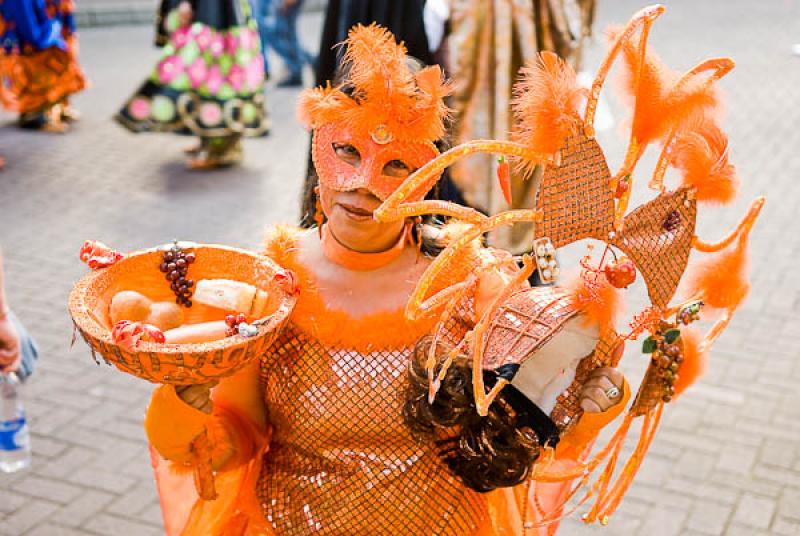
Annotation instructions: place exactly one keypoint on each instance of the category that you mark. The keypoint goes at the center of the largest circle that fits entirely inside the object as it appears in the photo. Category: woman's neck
(343, 256)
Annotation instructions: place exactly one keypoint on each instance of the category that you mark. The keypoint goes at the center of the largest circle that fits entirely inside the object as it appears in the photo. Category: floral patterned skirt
(209, 82)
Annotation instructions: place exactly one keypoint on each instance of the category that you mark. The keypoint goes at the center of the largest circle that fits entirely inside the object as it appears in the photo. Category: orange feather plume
(599, 302)
(721, 279)
(546, 104)
(701, 153)
(318, 106)
(384, 91)
(694, 360)
(660, 101)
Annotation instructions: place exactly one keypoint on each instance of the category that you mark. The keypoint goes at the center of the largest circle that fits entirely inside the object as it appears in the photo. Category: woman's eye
(398, 164)
(396, 168)
(347, 153)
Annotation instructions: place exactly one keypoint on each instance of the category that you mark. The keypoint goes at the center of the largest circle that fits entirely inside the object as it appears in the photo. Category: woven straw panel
(660, 254)
(177, 363)
(575, 197)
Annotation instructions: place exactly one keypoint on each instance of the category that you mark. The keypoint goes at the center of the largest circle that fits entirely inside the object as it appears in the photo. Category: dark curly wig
(486, 453)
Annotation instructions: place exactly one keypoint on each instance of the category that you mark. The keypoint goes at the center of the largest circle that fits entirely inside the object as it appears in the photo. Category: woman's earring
(417, 233)
(319, 216)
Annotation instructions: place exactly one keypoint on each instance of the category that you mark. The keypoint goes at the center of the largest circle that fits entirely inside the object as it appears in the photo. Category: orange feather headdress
(384, 92)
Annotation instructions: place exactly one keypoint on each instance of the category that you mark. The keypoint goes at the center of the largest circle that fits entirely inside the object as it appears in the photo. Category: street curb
(115, 16)
(139, 13)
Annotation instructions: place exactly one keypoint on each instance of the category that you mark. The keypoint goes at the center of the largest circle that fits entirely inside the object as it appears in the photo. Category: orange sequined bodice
(341, 460)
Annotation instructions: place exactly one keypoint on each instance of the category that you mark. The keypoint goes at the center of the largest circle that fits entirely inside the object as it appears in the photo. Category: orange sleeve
(172, 425)
(575, 442)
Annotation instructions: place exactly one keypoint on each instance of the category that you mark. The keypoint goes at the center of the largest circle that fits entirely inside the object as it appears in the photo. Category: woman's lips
(356, 213)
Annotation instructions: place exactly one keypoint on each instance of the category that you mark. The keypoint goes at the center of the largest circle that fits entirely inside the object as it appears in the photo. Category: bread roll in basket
(179, 363)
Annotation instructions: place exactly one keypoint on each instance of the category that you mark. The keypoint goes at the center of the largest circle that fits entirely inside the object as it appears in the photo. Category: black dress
(401, 17)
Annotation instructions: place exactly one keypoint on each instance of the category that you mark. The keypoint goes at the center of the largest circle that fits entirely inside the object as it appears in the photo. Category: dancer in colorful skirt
(208, 83)
(39, 67)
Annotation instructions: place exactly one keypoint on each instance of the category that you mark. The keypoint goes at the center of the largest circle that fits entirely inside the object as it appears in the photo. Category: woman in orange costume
(313, 438)
(39, 62)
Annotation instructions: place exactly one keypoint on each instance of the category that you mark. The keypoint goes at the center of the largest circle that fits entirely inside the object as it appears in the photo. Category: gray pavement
(727, 458)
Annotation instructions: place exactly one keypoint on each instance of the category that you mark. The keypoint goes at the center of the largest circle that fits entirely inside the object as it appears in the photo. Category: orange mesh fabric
(575, 197)
(342, 460)
(658, 238)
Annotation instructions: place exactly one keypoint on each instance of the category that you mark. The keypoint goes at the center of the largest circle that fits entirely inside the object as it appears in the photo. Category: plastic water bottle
(15, 446)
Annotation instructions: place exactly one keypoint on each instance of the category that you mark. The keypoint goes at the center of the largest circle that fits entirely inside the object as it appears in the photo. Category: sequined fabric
(342, 460)
(527, 321)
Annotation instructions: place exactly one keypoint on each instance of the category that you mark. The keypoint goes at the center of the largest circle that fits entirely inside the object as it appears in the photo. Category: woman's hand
(603, 390)
(10, 355)
(197, 396)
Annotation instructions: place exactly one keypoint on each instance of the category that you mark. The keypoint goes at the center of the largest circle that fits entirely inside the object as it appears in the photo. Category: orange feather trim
(600, 302)
(694, 360)
(322, 105)
(546, 104)
(701, 153)
(384, 91)
(721, 279)
(336, 328)
(659, 101)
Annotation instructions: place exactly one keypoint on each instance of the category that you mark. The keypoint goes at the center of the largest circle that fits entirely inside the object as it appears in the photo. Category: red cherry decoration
(622, 187)
(621, 272)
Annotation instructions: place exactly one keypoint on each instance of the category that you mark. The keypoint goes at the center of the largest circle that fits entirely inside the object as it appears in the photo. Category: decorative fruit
(621, 272)
(175, 264)
(504, 178)
(128, 334)
(98, 255)
(165, 315)
(672, 221)
(623, 186)
(225, 294)
(129, 305)
(234, 322)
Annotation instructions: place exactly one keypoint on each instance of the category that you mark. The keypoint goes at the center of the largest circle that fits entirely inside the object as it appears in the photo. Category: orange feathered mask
(385, 110)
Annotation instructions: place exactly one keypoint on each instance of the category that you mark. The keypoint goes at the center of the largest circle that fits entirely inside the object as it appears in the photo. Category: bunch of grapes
(672, 221)
(175, 266)
(668, 358)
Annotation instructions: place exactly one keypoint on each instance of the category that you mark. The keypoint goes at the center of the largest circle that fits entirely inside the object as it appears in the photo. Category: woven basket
(178, 363)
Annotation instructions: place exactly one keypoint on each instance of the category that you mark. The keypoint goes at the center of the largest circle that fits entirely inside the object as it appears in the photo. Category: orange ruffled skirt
(34, 81)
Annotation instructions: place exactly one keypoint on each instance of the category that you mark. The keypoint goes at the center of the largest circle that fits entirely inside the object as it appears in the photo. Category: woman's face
(350, 212)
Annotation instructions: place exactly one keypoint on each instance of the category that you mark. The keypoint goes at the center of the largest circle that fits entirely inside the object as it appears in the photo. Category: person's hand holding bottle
(9, 337)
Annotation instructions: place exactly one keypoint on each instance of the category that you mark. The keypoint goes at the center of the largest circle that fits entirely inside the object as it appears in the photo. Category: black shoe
(292, 81)
(32, 120)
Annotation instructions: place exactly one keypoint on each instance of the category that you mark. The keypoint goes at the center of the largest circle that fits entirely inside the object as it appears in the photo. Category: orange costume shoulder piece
(313, 439)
